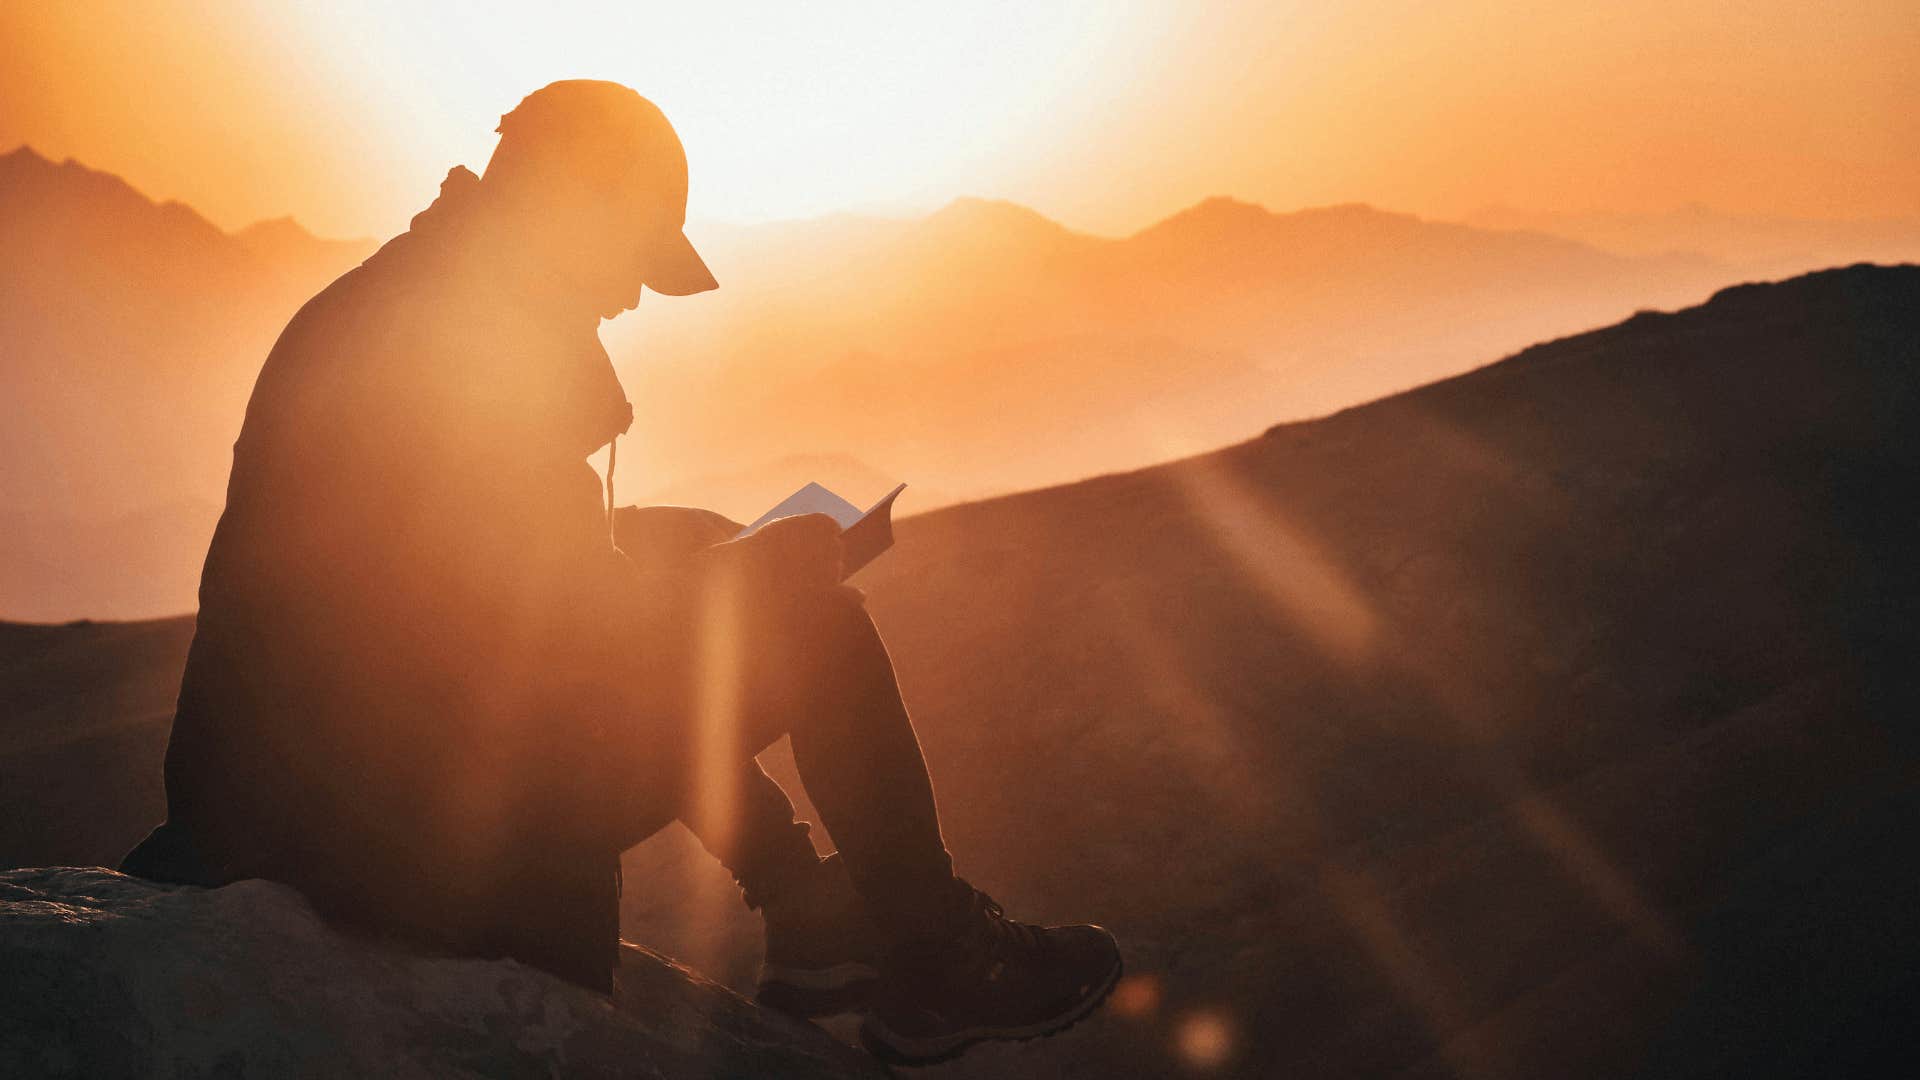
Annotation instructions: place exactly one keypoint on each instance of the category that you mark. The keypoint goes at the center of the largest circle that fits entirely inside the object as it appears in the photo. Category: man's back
(409, 520)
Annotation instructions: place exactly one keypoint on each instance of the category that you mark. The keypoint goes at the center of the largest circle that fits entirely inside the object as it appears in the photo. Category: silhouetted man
(428, 690)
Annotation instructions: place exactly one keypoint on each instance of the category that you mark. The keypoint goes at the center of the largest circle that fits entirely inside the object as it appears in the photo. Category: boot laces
(1005, 935)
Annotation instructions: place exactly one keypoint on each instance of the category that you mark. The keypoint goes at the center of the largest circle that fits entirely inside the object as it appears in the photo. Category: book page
(811, 499)
(866, 535)
(865, 539)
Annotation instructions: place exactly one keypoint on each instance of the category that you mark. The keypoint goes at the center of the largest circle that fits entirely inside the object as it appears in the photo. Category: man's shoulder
(394, 286)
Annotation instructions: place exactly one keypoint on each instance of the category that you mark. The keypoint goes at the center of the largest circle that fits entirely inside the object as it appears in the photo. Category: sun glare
(786, 110)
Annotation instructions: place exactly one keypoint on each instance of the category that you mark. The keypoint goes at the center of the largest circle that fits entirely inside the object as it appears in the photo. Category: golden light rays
(1409, 622)
(1456, 688)
(1279, 561)
(1198, 726)
(1556, 834)
(1358, 901)
(720, 738)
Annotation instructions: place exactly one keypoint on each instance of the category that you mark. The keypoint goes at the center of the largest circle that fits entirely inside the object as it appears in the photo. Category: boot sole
(811, 993)
(896, 1049)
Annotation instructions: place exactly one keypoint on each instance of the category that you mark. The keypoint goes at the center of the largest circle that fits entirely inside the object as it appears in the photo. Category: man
(428, 690)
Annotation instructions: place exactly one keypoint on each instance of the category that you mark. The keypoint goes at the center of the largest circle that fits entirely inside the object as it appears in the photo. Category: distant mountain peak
(23, 154)
(1000, 215)
(35, 188)
(1217, 211)
(283, 239)
(284, 231)
(1211, 218)
(1220, 205)
(24, 158)
(25, 164)
(979, 205)
(283, 226)
(1225, 210)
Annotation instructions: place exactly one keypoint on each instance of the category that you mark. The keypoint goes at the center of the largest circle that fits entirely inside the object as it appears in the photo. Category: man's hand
(797, 552)
(667, 536)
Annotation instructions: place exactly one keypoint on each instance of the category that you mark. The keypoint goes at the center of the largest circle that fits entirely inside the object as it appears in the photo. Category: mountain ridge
(952, 352)
(1767, 246)
(25, 165)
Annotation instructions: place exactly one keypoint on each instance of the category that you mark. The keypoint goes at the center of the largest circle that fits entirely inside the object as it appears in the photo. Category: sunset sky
(1106, 116)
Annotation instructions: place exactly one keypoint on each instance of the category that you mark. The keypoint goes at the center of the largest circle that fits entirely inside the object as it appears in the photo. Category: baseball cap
(607, 135)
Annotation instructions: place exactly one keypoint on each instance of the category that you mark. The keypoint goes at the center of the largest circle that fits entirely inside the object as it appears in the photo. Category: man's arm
(797, 551)
(667, 536)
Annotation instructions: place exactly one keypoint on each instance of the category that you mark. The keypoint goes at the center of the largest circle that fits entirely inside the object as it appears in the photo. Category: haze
(1105, 118)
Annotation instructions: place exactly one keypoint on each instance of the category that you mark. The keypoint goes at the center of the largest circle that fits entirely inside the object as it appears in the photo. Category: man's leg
(955, 969)
(862, 764)
(737, 811)
(749, 826)
(814, 668)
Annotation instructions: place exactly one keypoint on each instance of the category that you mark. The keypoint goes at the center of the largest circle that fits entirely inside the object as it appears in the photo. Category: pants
(714, 669)
(746, 669)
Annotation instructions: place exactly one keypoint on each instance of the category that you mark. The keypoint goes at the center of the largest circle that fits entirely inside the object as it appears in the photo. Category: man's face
(621, 252)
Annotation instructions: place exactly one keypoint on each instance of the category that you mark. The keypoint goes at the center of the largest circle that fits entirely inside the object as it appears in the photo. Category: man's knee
(827, 644)
(837, 619)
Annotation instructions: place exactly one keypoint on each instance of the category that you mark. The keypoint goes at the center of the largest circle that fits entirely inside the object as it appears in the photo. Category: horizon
(906, 215)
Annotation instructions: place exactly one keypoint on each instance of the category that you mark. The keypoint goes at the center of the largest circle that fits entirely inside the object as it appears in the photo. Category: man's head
(602, 178)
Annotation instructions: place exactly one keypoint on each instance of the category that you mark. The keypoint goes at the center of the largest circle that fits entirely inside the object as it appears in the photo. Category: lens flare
(718, 750)
(1204, 1039)
(1136, 996)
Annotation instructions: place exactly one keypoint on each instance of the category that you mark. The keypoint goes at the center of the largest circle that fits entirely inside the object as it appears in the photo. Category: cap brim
(675, 269)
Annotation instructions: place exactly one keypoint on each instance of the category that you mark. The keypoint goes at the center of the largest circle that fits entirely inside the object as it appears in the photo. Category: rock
(107, 975)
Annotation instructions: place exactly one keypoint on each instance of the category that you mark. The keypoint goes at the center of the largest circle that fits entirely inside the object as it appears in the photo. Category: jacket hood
(459, 198)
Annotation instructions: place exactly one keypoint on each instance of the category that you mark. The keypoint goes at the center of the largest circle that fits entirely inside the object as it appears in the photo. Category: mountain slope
(1438, 731)
(1555, 719)
(1458, 732)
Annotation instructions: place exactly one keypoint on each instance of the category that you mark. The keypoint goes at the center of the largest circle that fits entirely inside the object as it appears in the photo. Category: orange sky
(347, 114)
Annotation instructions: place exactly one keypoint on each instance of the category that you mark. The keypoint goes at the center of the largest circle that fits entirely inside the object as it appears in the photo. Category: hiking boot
(822, 951)
(998, 979)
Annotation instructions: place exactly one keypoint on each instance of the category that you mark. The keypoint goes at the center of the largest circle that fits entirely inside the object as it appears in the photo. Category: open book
(864, 534)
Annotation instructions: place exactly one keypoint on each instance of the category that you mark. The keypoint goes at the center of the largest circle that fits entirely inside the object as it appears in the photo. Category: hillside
(1553, 719)
(1527, 724)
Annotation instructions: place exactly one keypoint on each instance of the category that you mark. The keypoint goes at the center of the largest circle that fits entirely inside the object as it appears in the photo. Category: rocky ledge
(104, 975)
